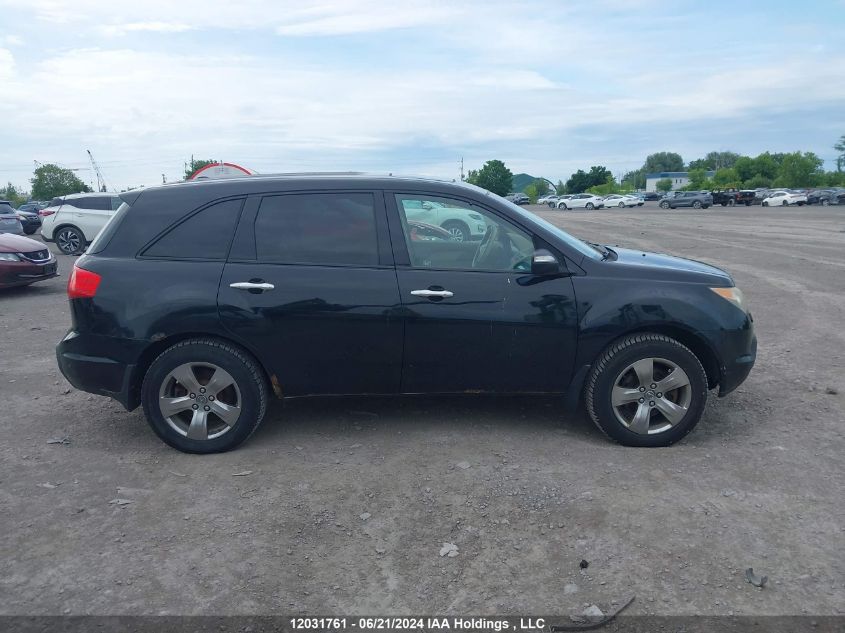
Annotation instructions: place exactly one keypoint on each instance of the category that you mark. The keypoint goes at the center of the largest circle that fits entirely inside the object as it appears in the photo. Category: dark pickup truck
(732, 197)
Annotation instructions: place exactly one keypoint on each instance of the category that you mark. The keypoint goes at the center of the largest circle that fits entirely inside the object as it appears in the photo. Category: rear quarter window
(205, 234)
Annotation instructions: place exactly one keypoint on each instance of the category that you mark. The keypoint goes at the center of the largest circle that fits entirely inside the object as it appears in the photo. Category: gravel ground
(344, 505)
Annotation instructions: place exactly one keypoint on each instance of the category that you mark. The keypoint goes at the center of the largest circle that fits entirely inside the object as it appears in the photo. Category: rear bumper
(103, 375)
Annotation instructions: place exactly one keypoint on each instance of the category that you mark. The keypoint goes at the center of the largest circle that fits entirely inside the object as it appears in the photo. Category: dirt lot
(343, 505)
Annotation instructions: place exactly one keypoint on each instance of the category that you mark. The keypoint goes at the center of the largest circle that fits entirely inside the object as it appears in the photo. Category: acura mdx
(199, 300)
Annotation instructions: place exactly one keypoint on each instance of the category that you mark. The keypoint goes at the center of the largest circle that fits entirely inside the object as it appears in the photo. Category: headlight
(9, 257)
(734, 295)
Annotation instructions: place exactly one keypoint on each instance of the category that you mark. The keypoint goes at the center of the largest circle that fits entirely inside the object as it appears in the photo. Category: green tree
(663, 161)
(197, 164)
(766, 165)
(698, 180)
(726, 178)
(493, 176)
(51, 180)
(611, 186)
(664, 184)
(715, 161)
(744, 167)
(799, 170)
(560, 188)
(758, 182)
(634, 179)
(840, 147)
(11, 193)
(580, 181)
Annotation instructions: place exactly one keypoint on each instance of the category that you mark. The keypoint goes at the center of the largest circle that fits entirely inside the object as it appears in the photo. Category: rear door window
(202, 235)
(334, 229)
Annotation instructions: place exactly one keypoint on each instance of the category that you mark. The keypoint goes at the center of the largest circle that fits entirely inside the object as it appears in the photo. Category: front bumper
(24, 273)
(89, 365)
(738, 353)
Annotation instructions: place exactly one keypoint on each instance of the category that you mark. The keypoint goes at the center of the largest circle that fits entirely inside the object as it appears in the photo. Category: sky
(412, 86)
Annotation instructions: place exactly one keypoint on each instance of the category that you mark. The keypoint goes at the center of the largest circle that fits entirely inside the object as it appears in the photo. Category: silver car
(9, 221)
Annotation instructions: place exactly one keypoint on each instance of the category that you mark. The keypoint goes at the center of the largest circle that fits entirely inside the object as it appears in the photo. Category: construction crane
(101, 182)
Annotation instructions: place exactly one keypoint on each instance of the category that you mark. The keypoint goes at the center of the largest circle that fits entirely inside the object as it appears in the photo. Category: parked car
(464, 225)
(199, 300)
(732, 197)
(73, 221)
(581, 201)
(619, 200)
(694, 199)
(823, 197)
(9, 220)
(547, 199)
(518, 198)
(30, 221)
(24, 261)
(784, 198)
(651, 196)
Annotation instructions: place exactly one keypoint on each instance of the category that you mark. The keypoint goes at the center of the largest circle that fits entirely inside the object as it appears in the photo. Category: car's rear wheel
(696, 204)
(590, 206)
(646, 390)
(621, 205)
(731, 202)
(765, 204)
(204, 396)
(562, 206)
(784, 204)
(29, 231)
(458, 230)
(70, 240)
(664, 205)
(825, 202)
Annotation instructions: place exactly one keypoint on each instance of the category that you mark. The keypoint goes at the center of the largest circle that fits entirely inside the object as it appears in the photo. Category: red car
(24, 261)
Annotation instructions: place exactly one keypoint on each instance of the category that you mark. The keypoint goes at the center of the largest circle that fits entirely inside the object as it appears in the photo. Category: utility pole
(101, 182)
(462, 168)
(163, 179)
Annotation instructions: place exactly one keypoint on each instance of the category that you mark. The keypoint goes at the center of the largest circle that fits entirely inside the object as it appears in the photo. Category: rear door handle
(433, 293)
(250, 285)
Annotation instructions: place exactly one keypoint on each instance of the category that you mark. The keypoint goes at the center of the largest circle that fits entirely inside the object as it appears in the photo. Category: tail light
(45, 212)
(82, 284)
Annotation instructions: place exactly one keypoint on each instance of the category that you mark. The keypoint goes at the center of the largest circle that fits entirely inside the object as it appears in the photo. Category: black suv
(199, 299)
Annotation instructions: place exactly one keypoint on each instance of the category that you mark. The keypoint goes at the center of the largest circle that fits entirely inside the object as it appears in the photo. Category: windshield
(570, 240)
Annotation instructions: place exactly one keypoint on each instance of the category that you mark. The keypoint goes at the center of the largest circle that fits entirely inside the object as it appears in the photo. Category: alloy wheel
(651, 396)
(200, 401)
(456, 233)
(68, 241)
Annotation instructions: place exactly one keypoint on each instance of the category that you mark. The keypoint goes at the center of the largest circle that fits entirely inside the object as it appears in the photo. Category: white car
(784, 198)
(464, 225)
(73, 221)
(548, 199)
(581, 201)
(619, 200)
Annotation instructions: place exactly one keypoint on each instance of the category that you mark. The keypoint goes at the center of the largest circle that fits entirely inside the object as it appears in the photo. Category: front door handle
(250, 285)
(432, 293)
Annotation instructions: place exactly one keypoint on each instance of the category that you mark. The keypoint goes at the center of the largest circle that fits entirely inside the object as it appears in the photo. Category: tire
(562, 206)
(784, 204)
(664, 205)
(684, 404)
(765, 204)
(244, 395)
(621, 205)
(705, 206)
(589, 206)
(459, 230)
(70, 240)
(29, 231)
(696, 204)
(825, 202)
(551, 205)
(731, 202)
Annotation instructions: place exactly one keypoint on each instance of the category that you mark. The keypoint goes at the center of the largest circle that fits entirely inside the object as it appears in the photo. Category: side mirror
(544, 263)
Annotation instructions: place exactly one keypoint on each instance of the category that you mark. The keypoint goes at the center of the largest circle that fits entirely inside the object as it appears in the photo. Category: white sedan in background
(581, 201)
(547, 199)
(784, 198)
(619, 200)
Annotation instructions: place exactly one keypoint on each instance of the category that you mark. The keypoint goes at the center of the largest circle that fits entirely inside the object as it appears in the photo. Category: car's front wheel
(696, 205)
(646, 390)
(590, 206)
(664, 205)
(204, 396)
(562, 206)
(70, 240)
(29, 231)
